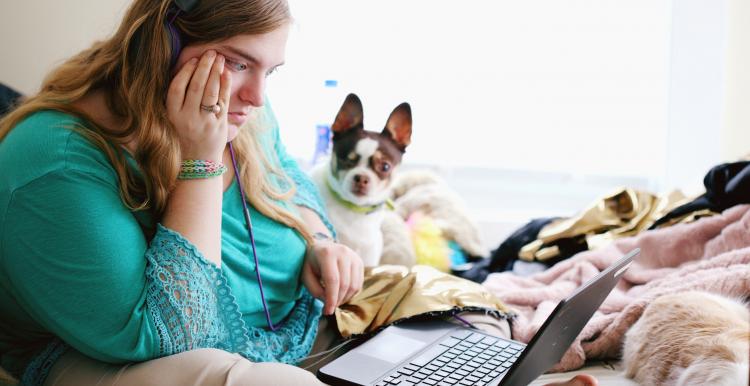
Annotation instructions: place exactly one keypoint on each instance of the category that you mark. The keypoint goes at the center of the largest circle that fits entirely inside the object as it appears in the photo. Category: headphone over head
(175, 38)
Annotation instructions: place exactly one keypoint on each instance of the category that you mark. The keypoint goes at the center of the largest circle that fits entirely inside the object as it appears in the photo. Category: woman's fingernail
(193, 60)
(210, 53)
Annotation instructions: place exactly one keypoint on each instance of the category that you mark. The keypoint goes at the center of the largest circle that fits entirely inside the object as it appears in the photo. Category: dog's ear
(349, 116)
(398, 126)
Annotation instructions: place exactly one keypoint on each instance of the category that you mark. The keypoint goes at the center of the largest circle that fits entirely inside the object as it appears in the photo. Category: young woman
(122, 239)
(126, 251)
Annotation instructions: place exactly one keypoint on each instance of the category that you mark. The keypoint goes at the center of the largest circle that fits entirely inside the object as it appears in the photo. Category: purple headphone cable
(249, 225)
(175, 39)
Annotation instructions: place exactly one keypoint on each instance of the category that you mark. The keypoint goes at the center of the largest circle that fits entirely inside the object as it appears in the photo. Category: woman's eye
(236, 66)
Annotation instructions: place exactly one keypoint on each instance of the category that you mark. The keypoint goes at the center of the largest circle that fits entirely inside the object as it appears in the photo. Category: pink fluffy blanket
(712, 254)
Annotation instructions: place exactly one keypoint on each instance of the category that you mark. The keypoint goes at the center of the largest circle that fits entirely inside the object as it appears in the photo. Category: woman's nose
(251, 91)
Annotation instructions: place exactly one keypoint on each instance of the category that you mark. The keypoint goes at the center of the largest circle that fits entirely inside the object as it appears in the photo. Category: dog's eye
(349, 161)
(385, 167)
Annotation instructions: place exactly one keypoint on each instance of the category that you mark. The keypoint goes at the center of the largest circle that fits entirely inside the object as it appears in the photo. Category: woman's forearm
(194, 211)
(312, 221)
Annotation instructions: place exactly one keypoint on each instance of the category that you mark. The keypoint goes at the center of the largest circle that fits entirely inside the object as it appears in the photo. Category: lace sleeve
(192, 307)
(189, 298)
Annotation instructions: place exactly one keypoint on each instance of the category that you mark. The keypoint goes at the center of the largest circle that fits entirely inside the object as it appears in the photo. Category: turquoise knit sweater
(77, 271)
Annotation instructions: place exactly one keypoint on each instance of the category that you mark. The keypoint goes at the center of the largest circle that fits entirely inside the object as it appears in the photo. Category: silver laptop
(443, 353)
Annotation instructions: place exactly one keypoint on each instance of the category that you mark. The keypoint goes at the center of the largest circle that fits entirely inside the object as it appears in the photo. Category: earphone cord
(325, 354)
(174, 16)
(249, 225)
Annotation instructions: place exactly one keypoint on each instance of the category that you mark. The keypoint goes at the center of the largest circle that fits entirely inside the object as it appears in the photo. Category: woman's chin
(232, 132)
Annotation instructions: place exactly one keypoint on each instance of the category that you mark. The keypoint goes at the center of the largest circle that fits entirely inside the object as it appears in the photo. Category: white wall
(38, 34)
(736, 129)
(572, 86)
(708, 90)
(696, 90)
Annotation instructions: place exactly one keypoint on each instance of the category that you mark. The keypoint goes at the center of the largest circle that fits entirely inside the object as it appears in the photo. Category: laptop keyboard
(463, 358)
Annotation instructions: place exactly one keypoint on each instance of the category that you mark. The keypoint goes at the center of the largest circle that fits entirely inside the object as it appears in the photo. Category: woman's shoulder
(46, 142)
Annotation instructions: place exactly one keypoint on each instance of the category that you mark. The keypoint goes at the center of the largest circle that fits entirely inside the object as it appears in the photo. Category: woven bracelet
(192, 169)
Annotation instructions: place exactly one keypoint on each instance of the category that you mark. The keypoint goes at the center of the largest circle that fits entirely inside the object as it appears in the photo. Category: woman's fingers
(312, 281)
(213, 84)
(345, 278)
(202, 134)
(360, 275)
(357, 273)
(178, 87)
(194, 94)
(225, 90)
(330, 276)
(338, 274)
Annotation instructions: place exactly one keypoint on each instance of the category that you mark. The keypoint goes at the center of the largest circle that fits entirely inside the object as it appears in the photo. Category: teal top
(77, 270)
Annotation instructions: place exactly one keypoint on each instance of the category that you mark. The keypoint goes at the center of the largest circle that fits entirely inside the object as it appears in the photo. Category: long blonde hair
(132, 68)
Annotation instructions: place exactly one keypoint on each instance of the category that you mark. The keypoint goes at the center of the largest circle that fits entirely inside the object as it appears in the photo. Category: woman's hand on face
(202, 134)
(332, 272)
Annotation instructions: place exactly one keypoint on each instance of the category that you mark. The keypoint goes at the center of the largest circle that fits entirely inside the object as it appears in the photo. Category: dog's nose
(361, 180)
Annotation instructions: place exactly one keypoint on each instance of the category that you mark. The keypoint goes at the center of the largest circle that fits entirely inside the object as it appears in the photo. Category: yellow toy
(430, 247)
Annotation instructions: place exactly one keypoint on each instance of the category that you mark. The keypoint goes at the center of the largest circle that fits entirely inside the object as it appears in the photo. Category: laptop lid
(562, 327)
(398, 345)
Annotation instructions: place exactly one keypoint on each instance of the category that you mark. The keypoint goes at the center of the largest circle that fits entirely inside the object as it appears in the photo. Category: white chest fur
(359, 231)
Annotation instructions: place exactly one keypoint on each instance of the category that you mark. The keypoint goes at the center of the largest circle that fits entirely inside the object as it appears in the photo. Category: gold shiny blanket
(392, 293)
(625, 212)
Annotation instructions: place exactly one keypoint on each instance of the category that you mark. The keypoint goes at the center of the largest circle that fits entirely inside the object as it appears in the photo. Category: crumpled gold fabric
(391, 293)
(625, 212)
(688, 217)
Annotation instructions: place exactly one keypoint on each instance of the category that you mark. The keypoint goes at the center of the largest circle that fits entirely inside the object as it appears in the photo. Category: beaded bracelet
(191, 169)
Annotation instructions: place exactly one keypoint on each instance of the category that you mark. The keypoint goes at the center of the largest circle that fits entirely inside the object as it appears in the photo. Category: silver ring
(211, 108)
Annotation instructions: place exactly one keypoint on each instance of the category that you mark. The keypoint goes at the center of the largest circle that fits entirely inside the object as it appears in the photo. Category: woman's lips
(237, 118)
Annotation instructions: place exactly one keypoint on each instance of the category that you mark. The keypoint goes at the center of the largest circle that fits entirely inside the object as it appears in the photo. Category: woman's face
(250, 59)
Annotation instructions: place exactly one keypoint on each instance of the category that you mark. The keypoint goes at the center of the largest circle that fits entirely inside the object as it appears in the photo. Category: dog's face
(363, 161)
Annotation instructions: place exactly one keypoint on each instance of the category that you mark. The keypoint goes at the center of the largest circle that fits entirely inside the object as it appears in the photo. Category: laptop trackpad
(373, 358)
(390, 346)
(357, 368)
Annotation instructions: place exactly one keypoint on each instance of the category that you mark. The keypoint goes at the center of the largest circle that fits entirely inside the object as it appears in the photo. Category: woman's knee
(204, 367)
(209, 356)
(223, 368)
(210, 367)
(267, 373)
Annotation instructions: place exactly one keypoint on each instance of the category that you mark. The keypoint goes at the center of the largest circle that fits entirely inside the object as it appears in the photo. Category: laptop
(443, 353)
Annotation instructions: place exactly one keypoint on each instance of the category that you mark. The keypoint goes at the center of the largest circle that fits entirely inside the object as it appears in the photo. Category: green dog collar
(358, 208)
